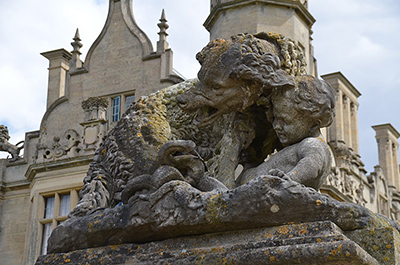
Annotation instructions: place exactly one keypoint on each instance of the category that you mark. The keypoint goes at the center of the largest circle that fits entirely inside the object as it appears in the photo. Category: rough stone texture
(382, 243)
(132, 146)
(177, 209)
(306, 243)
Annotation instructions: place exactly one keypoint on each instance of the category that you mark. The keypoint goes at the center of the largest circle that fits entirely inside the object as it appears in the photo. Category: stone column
(395, 163)
(347, 121)
(354, 128)
(58, 67)
(387, 139)
(336, 130)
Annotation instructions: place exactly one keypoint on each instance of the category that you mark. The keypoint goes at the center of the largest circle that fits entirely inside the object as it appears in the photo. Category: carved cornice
(15, 185)
(344, 80)
(57, 54)
(215, 12)
(57, 165)
(334, 193)
(388, 127)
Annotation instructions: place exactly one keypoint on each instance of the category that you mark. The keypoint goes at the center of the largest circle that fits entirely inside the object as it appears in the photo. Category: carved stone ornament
(94, 102)
(94, 123)
(169, 167)
(6, 146)
(68, 145)
(94, 108)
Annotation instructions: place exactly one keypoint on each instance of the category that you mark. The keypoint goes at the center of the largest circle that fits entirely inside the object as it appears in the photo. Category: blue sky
(360, 38)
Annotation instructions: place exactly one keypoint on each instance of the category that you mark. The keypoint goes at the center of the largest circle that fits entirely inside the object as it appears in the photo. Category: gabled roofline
(127, 13)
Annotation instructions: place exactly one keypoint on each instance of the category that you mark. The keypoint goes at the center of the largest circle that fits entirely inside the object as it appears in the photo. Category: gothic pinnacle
(76, 62)
(162, 44)
(163, 25)
(76, 43)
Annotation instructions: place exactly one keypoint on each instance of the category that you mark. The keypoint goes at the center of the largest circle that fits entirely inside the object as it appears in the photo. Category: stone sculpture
(297, 114)
(6, 146)
(166, 171)
(254, 65)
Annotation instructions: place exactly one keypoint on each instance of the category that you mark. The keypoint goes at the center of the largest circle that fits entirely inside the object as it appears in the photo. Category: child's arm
(313, 164)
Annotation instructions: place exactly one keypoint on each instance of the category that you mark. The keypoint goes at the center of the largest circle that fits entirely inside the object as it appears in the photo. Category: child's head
(299, 112)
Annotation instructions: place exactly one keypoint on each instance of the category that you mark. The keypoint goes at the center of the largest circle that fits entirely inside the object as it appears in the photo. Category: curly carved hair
(268, 59)
(312, 96)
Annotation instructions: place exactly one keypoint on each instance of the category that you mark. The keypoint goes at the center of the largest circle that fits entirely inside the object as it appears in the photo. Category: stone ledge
(308, 243)
(56, 165)
(215, 12)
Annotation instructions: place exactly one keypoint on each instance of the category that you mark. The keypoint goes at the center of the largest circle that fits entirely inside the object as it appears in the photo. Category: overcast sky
(360, 38)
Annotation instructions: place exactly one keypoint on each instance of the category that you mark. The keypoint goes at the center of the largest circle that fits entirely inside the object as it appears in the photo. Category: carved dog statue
(234, 75)
(237, 76)
(132, 147)
(6, 146)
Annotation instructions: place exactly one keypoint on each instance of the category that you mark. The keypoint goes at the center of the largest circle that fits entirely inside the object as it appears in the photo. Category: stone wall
(13, 226)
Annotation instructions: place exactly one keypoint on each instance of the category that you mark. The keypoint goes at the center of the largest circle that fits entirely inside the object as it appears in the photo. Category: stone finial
(162, 44)
(94, 102)
(94, 108)
(77, 45)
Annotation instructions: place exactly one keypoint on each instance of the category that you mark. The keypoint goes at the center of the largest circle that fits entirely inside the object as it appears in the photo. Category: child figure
(297, 114)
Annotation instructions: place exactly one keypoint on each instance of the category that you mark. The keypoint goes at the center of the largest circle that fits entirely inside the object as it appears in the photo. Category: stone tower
(388, 150)
(288, 17)
(344, 130)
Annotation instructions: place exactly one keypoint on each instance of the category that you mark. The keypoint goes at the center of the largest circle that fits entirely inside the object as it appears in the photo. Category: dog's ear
(263, 69)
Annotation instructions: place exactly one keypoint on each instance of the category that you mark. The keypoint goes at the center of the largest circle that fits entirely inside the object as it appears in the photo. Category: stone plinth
(307, 243)
(382, 243)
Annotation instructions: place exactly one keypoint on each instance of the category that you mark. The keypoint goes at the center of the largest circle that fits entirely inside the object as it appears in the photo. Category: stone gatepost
(95, 123)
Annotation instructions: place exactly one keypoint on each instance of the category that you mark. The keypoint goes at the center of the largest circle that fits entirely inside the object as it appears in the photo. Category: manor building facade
(85, 98)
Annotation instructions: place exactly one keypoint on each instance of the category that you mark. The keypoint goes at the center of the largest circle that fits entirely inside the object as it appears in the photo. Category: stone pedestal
(307, 243)
(95, 124)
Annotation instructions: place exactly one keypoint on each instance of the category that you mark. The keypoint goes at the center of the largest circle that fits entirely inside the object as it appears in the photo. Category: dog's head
(234, 74)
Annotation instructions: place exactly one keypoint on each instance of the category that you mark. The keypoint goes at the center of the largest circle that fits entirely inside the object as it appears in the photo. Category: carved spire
(76, 62)
(162, 44)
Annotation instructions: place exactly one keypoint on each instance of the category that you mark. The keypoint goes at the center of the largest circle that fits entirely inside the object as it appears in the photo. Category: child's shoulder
(316, 142)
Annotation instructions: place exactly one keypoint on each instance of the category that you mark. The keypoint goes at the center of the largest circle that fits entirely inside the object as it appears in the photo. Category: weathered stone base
(382, 243)
(308, 243)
